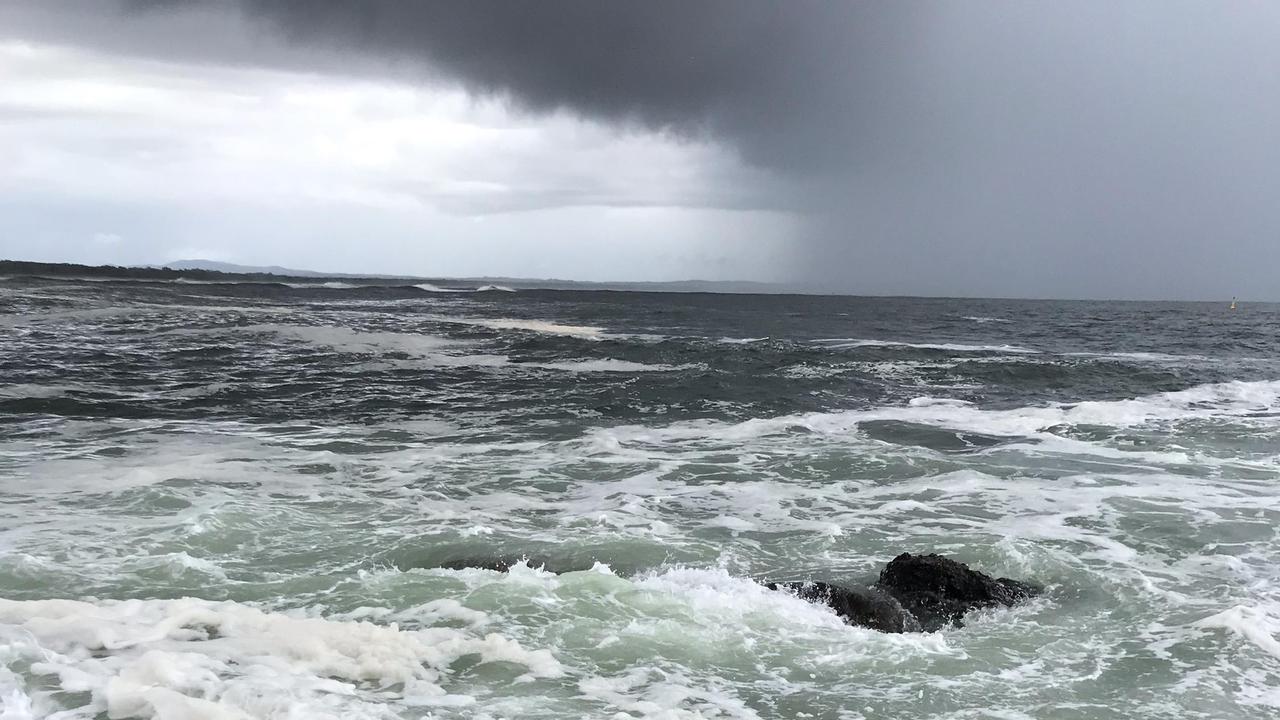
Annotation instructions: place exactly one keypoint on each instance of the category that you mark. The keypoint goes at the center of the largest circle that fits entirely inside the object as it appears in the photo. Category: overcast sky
(1065, 149)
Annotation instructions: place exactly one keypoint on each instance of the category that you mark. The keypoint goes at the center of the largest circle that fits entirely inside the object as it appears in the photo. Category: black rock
(939, 591)
(864, 607)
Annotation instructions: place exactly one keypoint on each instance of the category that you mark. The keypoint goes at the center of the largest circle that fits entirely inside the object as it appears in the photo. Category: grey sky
(1070, 149)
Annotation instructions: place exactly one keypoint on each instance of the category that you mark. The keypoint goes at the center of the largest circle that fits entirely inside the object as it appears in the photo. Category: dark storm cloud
(1031, 148)
(757, 74)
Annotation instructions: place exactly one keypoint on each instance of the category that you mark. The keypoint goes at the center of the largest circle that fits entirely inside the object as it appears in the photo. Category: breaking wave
(847, 343)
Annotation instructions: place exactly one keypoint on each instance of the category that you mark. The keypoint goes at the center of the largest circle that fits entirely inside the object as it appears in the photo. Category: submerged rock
(939, 591)
(865, 607)
(497, 563)
(504, 563)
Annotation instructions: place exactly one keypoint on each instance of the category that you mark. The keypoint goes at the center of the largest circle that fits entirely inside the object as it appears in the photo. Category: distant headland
(213, 271)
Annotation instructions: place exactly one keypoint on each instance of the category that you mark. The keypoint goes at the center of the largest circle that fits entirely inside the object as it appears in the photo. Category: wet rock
(861, 606)
(939, 591)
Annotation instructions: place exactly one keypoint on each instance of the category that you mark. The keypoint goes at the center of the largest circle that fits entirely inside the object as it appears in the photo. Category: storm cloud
(999, 148)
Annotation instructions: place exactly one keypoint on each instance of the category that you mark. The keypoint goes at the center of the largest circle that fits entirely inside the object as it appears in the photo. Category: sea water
(227, 500)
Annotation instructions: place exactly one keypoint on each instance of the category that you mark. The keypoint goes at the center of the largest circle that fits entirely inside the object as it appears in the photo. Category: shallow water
(228, 501)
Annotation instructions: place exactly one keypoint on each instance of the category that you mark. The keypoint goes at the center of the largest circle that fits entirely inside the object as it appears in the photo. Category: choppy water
(229, 501)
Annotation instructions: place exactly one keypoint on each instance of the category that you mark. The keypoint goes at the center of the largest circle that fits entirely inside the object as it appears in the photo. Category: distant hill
(73, 270)
(185, 269)
(214, 271)
(233, 268)
(226, 267)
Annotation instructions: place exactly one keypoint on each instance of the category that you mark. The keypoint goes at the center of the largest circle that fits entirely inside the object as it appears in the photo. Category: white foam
(437, 289)
(15, 703)
(1218, 400)
(357, 341)
(177, 563)
(1249, 622)
(217, 661)
(1140, 356)
(802, 371)
(495, 288)
(331, 285)
(539, 326)
(983, 319)
(848, 343)
(654, 694)
(612, 365)
(742, 341)
(901, 371)
(727, 605)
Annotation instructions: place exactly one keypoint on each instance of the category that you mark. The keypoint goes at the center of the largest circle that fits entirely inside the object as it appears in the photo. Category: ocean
(264, 500)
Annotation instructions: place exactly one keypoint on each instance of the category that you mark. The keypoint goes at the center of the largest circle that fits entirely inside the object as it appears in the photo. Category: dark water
(272, 476)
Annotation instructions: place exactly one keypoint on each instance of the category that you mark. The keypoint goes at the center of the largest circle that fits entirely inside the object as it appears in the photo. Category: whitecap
(437, 289)
(849, 343)
(1141, 356)
(331, 285)
(742, 341)
(612, 365)
(539, 326)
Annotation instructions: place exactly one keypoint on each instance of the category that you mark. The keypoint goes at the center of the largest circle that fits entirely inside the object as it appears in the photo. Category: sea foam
(219, 660)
